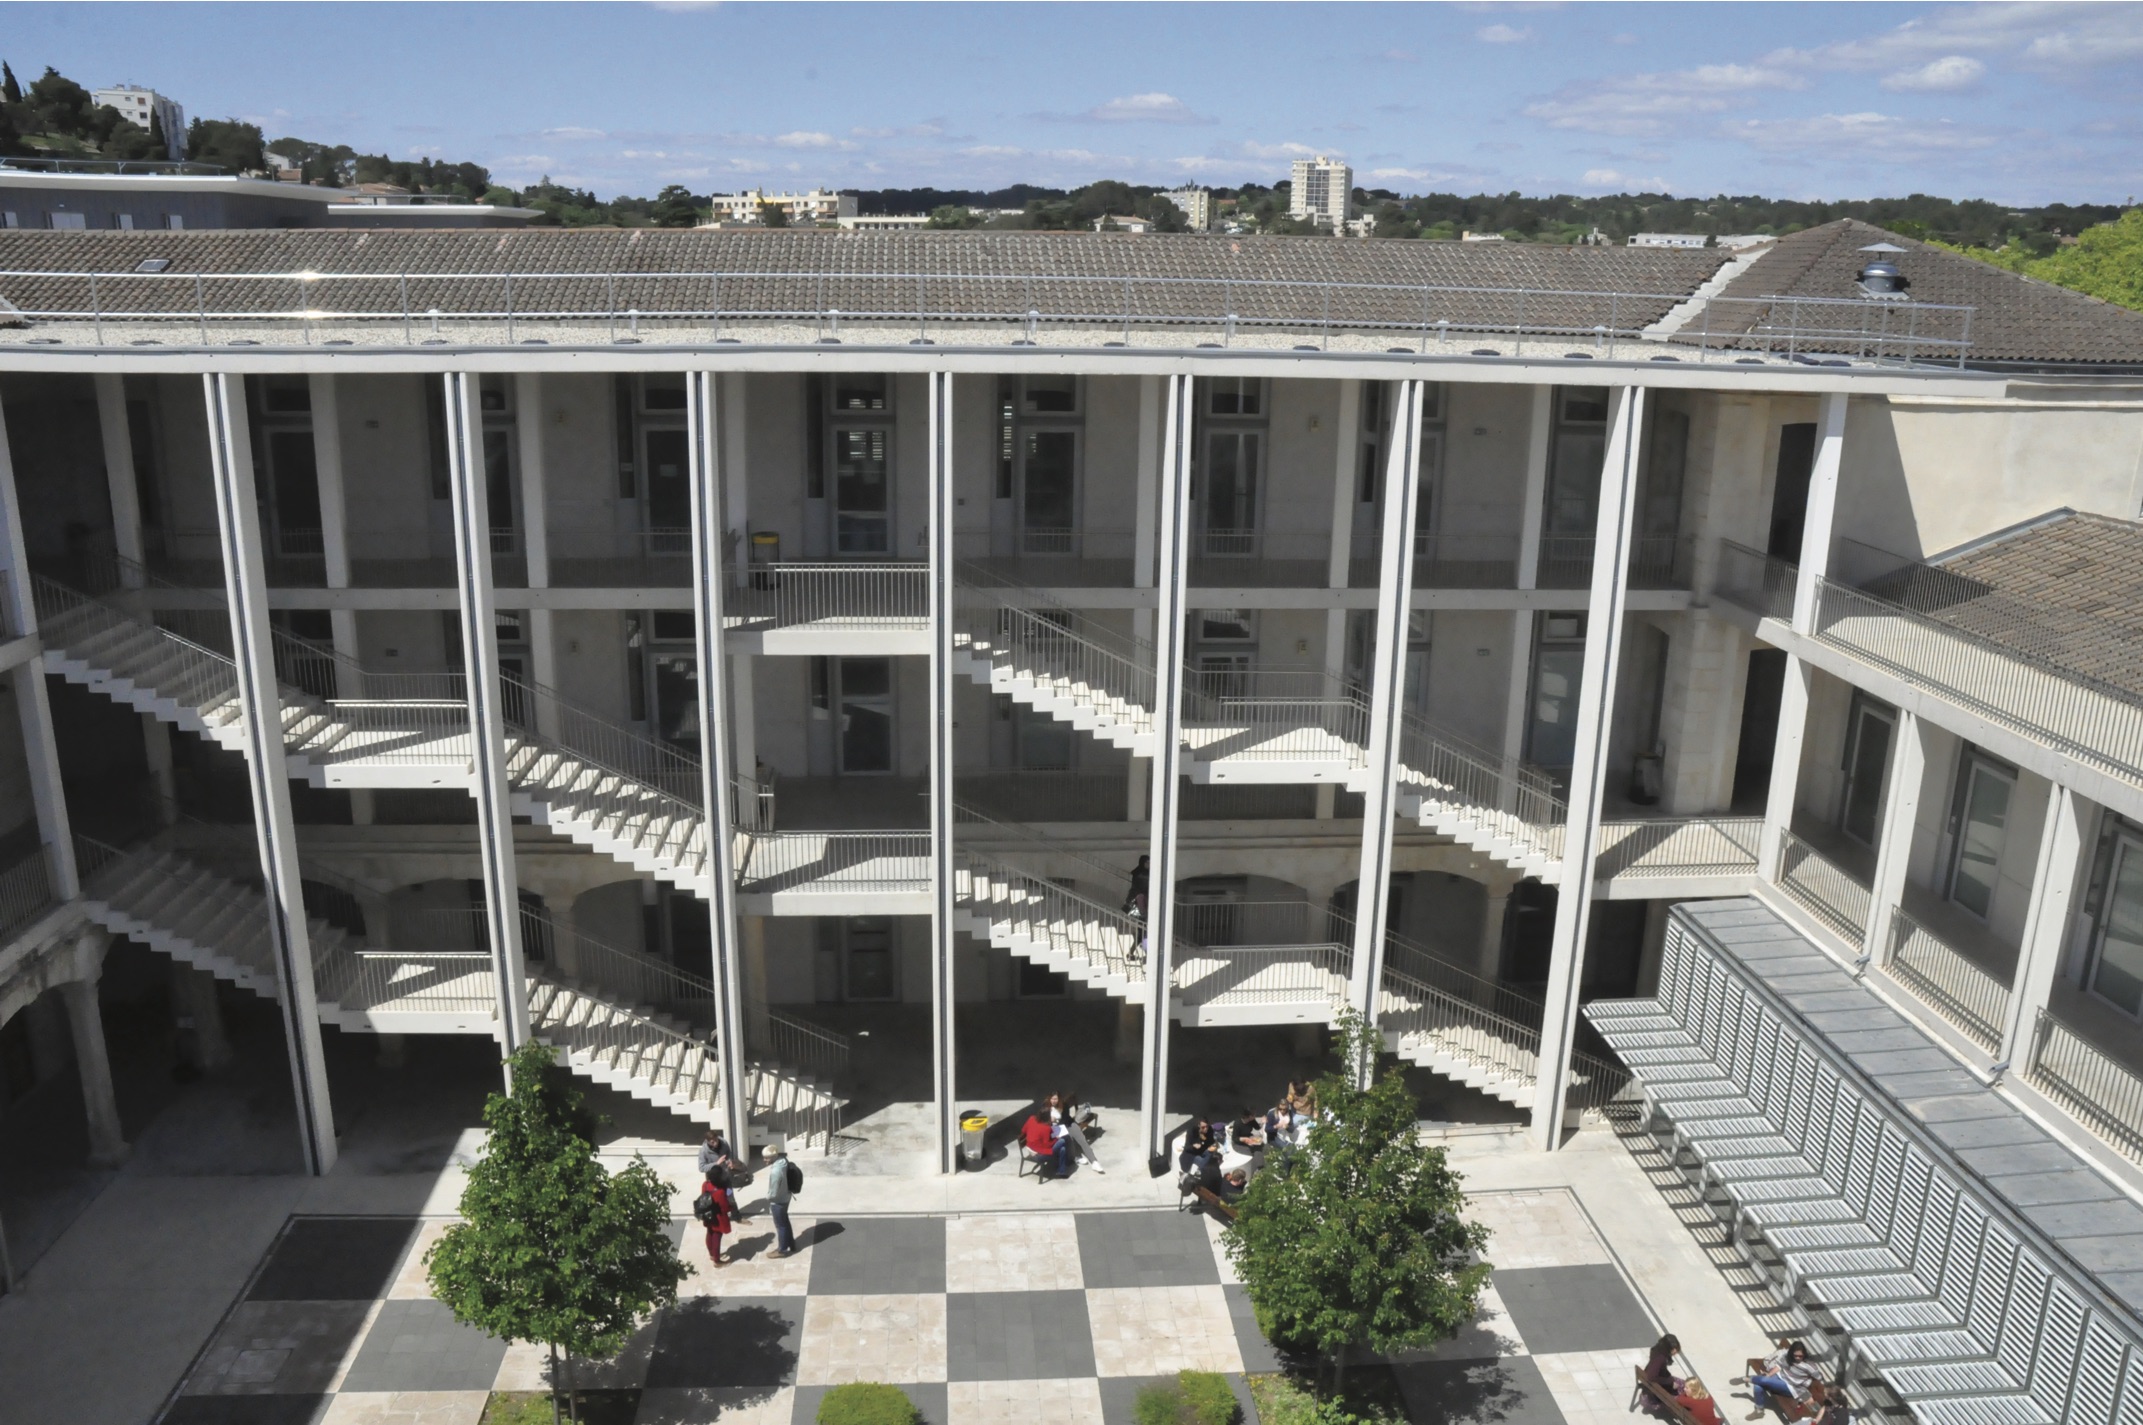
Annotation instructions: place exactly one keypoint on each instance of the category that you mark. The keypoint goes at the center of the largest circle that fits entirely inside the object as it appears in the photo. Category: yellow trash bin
(974, 1124)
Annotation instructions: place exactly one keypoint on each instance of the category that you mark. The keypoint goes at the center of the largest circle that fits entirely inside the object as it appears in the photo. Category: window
(662, 391)
(1051, 395)
(1372, 440)
(1231, 491)
(1659, 497)
(10, 220)
(494, 396)
(69, 221)
(1872, 727)
(1048, 491)
(869, 971)
(1580, 450)
(2117, 955)
(860, 393)
(1789, 490)
(669, 489)
(285, 395)
(1558, 668)
(862, 491)
(1980, 825)
(1226, 625)
(173, 222)
(124, 222)
(1007, 434)
(1234, 396)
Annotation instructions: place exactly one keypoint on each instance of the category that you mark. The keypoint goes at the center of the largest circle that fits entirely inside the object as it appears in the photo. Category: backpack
(796, 1178)
(703, 1208)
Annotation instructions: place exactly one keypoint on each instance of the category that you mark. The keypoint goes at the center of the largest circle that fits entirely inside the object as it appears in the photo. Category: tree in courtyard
(1358, 1239)
(551, 1246)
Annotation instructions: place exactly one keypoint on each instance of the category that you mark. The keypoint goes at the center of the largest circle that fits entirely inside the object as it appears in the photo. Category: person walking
(781, 1183)
(716, 1208)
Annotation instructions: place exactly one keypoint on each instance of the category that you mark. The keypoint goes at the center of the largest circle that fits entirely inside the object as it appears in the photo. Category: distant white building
(138, 106)
(1118, 222)
(1197, 206)
(1668, 240)
(804, 210)
(1321, 190)
(885, 222)
(1470, 236)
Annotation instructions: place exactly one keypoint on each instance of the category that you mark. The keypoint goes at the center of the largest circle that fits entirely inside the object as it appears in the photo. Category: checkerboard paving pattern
(1062, 1316)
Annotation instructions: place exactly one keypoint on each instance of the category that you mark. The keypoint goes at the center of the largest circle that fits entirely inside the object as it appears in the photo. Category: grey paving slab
(2019, 1159)
(1119, 1397)
(1258, 1354)
(2128, 1286)
(1121, 1249)
(1959, 1108)
(1588, 1308)
(877, 1256)
(708, 1342)
(2070, 1219)
(334, 1259)
(1887, 1063)
(1875, 1039)
(1509, 1391)
(2028, 1189)
(247, 1410)
(1017, 1335)
(418, 1345)
(278, 1348)
(680, 1405)
(2106, 1254)
(1992, 1131)
(928, 1397)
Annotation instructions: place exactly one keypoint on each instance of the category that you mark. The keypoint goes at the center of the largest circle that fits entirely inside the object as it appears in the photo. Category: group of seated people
(1787, 1381)
(1220, 1158)
(1056, 1130)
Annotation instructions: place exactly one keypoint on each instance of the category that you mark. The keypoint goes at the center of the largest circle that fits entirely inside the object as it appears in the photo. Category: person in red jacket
(716, 1207)
(1045, 1140)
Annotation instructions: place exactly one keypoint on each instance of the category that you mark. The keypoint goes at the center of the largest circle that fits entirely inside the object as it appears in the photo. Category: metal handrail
(26, 891)
(1823, 888)
(1945, 981)
(1069, 923)
(1759, 582)
(2105, 1095)
(413, 305)
(833, 595)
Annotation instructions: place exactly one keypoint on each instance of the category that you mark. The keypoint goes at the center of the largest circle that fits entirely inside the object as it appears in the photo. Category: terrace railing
(1945, 981)
(2105, 1095)
(833, 595)
(1823, 888)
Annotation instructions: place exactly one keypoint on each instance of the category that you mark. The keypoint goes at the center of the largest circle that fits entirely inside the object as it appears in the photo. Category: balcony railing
(1263, 974)
(835, 595)
(1761, 583)
(810, 307)
(838, 862)
(1945, 981)
(1657, 561)
(1679, 846)
(25, 892)
(2104, 1094)
(1822, 887)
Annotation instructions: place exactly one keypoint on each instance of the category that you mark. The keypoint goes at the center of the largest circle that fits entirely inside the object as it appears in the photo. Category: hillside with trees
(56, 118)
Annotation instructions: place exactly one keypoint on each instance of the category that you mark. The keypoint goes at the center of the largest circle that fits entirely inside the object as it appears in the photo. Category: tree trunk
(1339, 1373)
(554, 1382)
(572, 1399)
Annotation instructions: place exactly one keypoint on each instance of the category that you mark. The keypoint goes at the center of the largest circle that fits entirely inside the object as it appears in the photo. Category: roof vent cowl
(1880, 277)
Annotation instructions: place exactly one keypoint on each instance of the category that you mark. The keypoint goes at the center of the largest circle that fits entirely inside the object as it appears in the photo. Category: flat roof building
(810, 632)
(140, 107)
(803, 210)
(1197, 206)
(1321, 190)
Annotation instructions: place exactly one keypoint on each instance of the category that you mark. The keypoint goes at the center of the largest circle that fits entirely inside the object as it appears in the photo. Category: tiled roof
(1205, 276)
(2068, 590)
(2015, 318)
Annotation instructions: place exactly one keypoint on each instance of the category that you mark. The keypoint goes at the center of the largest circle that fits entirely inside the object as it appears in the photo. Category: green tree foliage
(952, 215)
(773, 215)
(866, 1403)
(10, 87)
(675, 207)
(2105, 261)
(228, 143)
(1359, 1240)
(551, 1247)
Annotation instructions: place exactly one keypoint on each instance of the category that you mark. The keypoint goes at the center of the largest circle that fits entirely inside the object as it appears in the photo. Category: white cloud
(803, 138)
(2042, 35)
(1282, 150)
(989, 150)
(573, 133)
(1617, 179)
(1153, 108)
(1649, 104)
(1884, 137)
(1946, 75)
(1503, 35)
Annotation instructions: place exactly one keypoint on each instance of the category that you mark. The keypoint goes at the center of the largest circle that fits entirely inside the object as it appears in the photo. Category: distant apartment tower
(138, 106)
(1322, 191)
(804, 210)
(1197, 206)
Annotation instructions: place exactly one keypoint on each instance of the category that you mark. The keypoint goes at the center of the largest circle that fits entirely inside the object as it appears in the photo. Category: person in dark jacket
(1201, 1149)
(1659, 1371)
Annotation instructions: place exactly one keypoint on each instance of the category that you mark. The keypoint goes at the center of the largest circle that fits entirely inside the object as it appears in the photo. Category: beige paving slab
(1153, 1331)
(993, 1402)
(1013, 1251)
(749, 1267)
(1591, 1387)
(1544, 1228)
(413, 1281)
(405, 1407)
(527, 1366)
(891, 1338)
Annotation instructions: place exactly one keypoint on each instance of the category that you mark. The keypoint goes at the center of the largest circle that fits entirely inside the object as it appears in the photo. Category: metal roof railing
(919, 308)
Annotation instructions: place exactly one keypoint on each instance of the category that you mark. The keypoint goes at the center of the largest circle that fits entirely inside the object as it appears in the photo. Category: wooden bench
(1676, 1411)
(1794, 1409)
(1214, 1203)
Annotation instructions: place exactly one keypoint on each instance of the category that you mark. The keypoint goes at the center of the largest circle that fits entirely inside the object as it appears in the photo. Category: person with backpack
(783, 1181)
(716, 1208)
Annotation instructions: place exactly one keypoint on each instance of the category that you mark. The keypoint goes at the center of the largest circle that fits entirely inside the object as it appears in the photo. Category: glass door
(862, 492)
(1048, 491)
(669, 489)
(294, 476)
(498, 486)
(1867, 758)
(1231, 492)
(676, 679)
(2117, 967)
(869, 958)
(866, 725)
(1982, 827)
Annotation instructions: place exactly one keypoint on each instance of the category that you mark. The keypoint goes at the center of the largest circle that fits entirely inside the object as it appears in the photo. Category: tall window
(1979, 824)
(1558, 668)
(286, 468)
(1580, 451)
(1867, 759)
(866, 714)
(1039, 433)
(2117, 935)
(1229, 484)
(859, 448)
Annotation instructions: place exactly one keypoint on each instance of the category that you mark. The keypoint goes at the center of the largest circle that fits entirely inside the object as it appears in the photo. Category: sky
(2020, 103)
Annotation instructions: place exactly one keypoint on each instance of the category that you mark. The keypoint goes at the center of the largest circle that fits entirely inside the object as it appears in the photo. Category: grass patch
(1192, 1398)
(867, 1403)
(533, 1407)
(1372, 1398)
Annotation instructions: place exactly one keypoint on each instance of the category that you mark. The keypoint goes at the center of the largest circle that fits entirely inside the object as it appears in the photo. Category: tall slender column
(1532, 514)
(48, 793)
(1152, 400)
(119, 477)
(1901, 815)
(1387, 686)
(1785, 786)
(1339, 561)
(245, 578)
(1818, 528)
(1488, 963)
(943, 1046)
(536, 539)
(107, 1142)
(705, 460)
(1588, 769)
(156, 749)
(487, 707)
(2046, 924)
(1172, 548)
(326, 404)
(736, 476)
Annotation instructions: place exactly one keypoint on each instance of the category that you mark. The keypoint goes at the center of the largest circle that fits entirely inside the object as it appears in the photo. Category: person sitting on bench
(1659, 1371)
(1786, 1383)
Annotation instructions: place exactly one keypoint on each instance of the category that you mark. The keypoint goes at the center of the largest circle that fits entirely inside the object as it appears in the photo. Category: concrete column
(1172, 536)
(1596, 700)
(1489, 959)
(1129, 1019)
(200, 1014)
(1785, 767)
(1138, 790)
(1540, 433)
(156, 749)
(743, 717)
(565, 934)
(1387, 688)
(107, 1144)
(2046, 925)
(759, 1019)
(1902, 783)
(706, 454)
(268, 777)
(48, 793)
(487, 716)
(118, 438)
(944, 937)
(736, 473)
(1816, 533)
(326, 404)
(1516, 702)
(1152, 399)
(1654, 948)
(1339, 564)
(529, 426)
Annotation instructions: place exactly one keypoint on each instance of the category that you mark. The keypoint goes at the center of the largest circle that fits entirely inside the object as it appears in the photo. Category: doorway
(865, 726)
(1872, 728)
(1985, 789)
(2117, 957)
